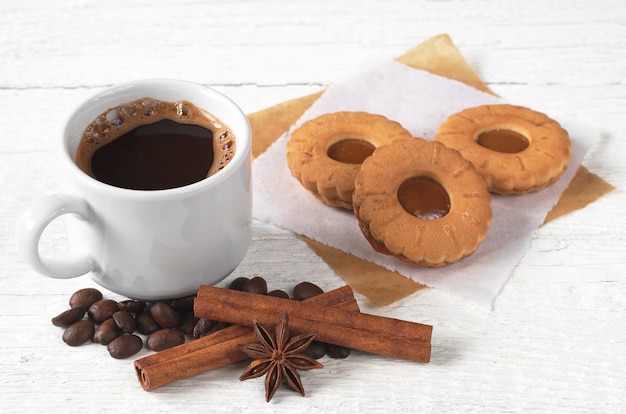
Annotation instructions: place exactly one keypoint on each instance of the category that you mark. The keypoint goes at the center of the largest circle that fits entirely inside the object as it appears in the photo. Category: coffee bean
(203, 327)
(125, 346)
(106, 332)
(336, 351)
(164, 339)
(146, 323)
(165, 315)
(125, 321)
(102, 310)
(188, 322)
(132, 306)
(256, 285)
(306, 290)
(238, 283)
(69, 316)
(220, 325)
(85, 297)
(315, 350)
(277, 293)
(183, 304)
(79, 332)
(164, 323)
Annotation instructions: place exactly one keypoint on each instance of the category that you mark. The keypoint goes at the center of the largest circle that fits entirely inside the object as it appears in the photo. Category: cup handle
(31, 225)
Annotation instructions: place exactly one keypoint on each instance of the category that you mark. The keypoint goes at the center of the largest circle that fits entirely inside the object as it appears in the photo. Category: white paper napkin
(420, 101)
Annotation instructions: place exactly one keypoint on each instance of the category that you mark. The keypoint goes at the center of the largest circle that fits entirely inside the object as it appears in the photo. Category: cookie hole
(424, 198)
(350, 150)
(502, 140)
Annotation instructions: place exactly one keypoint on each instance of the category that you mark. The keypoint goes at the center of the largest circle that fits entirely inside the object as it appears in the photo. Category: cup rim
(243, 136)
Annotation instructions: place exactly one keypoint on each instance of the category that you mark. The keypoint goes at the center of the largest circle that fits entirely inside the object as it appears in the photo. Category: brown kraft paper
(437, 55)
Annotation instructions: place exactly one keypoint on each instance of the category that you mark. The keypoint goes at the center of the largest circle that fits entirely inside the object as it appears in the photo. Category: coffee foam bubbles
(117, 121)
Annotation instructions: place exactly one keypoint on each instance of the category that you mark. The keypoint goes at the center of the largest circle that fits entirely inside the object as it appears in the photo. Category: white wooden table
(555, 340)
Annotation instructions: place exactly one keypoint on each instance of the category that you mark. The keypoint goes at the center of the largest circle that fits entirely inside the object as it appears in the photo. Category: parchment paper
(381, 286)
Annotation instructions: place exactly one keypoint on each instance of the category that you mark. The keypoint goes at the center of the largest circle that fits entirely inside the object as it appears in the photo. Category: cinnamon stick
(219, 348)
(369, 333)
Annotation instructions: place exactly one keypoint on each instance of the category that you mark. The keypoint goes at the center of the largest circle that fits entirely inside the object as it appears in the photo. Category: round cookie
(515, 149)
(421, 202)
(326, 153)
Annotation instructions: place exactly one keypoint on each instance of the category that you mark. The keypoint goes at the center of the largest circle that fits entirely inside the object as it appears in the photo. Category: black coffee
(153, 145)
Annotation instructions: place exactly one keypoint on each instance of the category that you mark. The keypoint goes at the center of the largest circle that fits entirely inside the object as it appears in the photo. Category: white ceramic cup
(148, 245)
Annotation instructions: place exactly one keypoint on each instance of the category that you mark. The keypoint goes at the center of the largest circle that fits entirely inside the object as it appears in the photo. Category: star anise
(279, 357)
